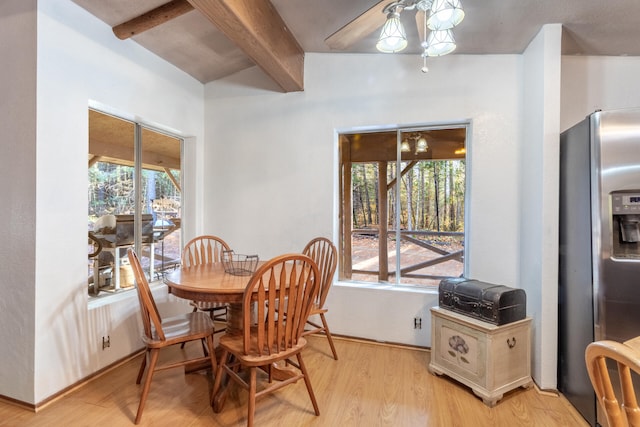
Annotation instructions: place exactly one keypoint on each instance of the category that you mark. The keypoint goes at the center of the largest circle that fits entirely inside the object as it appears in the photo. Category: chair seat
(235, 344)
(317, 310)
(193, 326)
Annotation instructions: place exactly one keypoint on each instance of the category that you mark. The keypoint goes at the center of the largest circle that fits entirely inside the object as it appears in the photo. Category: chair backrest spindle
(203, 250)
(325, 255)
(627, 358)
(284, 290)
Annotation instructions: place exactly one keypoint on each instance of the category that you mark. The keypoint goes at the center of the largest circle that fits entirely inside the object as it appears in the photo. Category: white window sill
(112, 298)
(388, 287)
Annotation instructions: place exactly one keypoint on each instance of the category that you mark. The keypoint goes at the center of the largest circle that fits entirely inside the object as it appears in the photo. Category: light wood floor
(371, 385)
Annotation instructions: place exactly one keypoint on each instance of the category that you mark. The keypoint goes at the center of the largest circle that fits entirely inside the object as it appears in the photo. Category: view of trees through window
(121, 205)
(431, 198)
(425, 209)
(111, 190)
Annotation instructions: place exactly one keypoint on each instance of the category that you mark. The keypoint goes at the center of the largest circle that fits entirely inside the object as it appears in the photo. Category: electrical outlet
(417, 323)
(106, 342)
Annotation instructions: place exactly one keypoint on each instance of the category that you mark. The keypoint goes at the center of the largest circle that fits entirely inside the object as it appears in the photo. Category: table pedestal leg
(234, 318)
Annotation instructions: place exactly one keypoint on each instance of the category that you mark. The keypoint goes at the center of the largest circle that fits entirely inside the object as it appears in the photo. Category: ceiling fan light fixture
(440, 43)
(445, 14)
(392, 37)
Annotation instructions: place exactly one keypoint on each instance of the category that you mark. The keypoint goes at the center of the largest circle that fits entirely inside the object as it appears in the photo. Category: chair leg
(307, 382)
(217, 401)
(218, 318)
(147, 382)
(204, 347)
(251, 404)
(222, 317)
(212, 354)
(142, 366)
(182, 345)
(329, 338)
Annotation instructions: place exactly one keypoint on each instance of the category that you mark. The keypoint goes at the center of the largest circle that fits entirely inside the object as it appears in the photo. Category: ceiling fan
(439, 16)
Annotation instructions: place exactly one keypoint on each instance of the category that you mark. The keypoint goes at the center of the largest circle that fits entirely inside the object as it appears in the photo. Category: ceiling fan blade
(359, 28)
(420, 17)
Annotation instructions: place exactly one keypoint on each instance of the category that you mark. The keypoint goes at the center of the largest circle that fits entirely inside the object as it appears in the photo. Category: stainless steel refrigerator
(599, 252)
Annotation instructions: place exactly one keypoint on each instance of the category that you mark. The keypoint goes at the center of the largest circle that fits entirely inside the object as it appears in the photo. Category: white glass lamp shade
(445, 14)
(404, 146)
(440, 43)
(392, 37)
(421, 145)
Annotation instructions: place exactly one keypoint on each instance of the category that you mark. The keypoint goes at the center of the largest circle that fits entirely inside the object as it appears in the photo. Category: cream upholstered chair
(627, 358)
(204, 250)
(277, 335)
(160, 333)
(325, 255)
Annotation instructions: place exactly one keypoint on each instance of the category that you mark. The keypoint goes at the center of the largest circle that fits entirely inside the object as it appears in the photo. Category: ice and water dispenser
(625, 211)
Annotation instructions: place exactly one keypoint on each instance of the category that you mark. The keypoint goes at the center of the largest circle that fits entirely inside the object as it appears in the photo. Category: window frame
(139, 152)
(345, 186)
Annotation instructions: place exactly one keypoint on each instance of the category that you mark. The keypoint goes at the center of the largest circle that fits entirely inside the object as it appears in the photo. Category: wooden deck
(425, 258)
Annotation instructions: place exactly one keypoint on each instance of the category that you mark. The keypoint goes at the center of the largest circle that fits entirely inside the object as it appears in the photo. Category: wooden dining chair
(325, 255)
(627, 358)
(205, 250)
(274, 337)
(160, 333)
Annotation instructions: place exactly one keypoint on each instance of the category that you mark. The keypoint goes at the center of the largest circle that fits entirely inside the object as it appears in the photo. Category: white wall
(79, 61)
(591, 83)
(538, 202)
(271, 185)
(17, 195)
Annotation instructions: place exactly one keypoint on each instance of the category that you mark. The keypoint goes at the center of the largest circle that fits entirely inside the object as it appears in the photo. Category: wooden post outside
(347, 221)
(383, 214)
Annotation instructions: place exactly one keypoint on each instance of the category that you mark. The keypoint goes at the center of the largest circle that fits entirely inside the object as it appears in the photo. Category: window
(134, 200)
(406, 185)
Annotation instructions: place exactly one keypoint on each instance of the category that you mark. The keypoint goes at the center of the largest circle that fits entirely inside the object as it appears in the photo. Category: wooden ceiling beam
(153, 18)
(258, 30)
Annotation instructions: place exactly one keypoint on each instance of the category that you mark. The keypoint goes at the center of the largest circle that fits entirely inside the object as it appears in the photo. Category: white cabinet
(488, 358)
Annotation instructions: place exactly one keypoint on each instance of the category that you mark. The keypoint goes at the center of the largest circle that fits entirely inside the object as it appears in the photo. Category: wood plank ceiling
(111, 140)
(255, 27)
(212, 39)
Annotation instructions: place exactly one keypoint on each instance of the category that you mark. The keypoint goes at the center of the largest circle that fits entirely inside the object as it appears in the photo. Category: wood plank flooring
(371, 385)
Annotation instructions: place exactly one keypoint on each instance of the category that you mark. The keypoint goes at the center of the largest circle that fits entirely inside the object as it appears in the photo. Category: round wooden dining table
(211, 283)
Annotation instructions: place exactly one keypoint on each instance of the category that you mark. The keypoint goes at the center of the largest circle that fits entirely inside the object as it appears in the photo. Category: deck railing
(413, 237)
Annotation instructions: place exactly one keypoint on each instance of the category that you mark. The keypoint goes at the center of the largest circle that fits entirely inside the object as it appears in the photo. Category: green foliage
(431, 195)
(111, 188)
